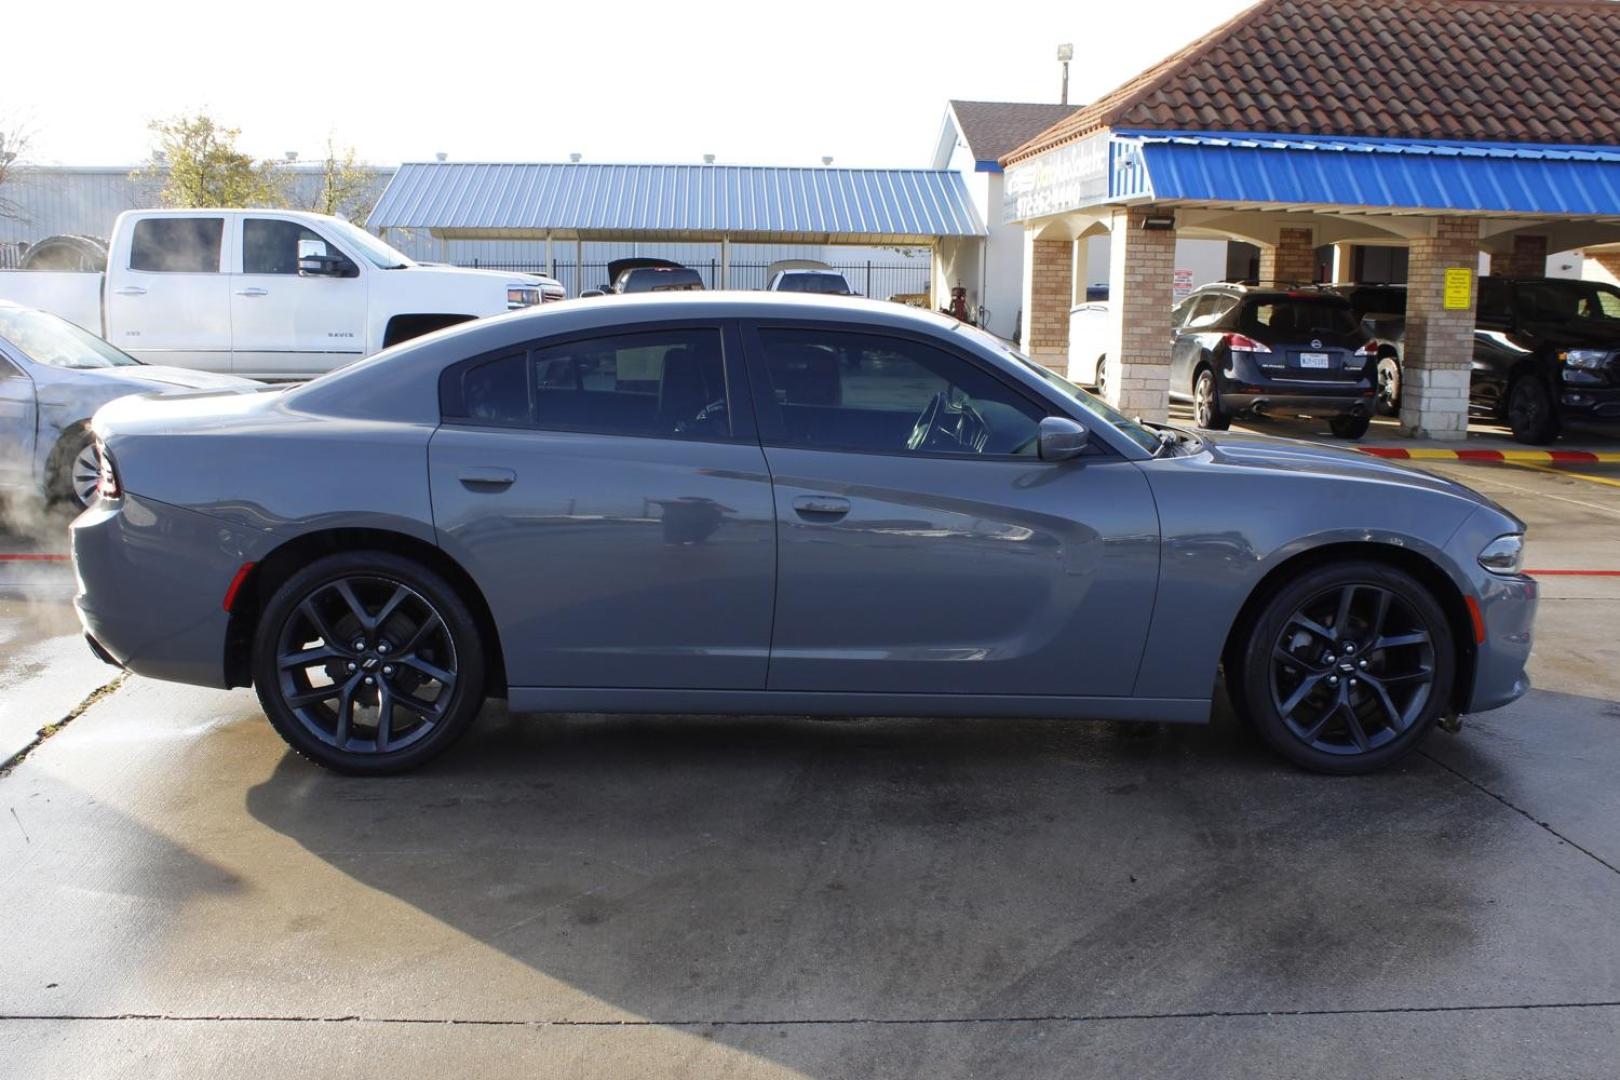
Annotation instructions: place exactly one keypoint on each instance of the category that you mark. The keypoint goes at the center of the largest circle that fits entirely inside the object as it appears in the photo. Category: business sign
(1459, 289)
(1067, 178)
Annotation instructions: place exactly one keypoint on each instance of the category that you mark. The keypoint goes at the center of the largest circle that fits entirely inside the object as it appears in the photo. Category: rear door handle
(486, 478)
(820, 507)
(129, 290)
(253, 292)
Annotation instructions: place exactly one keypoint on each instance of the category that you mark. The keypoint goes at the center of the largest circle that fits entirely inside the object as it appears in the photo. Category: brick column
(1439, 343)
(1608, 260)
(1141, 269)
(1048, 296)
(1291, 260)
(1527, 259)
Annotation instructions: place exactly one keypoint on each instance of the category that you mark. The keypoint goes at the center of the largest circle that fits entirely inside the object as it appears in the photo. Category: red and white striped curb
(1427, 453)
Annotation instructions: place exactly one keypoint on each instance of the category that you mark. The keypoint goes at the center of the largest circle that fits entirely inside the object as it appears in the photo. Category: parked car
(643, 274)
(1546, 350)
(53, 377)
(1089, 331)
(777, 504)
(274, 294)
(1242, 350)
(823, 282)
(1382, 311)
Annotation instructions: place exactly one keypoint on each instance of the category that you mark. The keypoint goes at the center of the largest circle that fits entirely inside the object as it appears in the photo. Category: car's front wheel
(1350, 425)
(75, 470)
(1348, 666)
(1531, 412)
(367, 662)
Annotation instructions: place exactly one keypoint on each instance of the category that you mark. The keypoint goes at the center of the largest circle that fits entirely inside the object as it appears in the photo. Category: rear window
(1301, 317)
(825, 284)
(177, 245)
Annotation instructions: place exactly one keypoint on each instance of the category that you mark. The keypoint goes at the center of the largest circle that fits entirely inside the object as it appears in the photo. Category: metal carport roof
(745, 203)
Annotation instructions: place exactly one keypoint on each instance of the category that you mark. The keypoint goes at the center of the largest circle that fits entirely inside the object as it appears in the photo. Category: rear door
(922, 547)
(284, 325)
(610, 497)
(168, 300)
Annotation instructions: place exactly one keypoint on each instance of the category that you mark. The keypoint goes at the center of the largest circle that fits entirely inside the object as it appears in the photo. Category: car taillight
(1244, 343)
(1369, 349)
(107, 476)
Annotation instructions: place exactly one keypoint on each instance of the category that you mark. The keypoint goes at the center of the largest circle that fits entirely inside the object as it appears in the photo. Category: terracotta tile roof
(1470, 70)
(991, 128)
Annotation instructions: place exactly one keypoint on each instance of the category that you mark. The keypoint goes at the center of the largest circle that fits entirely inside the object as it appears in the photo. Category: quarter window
(666, 383)
(849, 391)
(177, 245)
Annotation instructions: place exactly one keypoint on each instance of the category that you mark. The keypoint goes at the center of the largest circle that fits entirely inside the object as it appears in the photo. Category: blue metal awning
(1250, 169)
(678, 202)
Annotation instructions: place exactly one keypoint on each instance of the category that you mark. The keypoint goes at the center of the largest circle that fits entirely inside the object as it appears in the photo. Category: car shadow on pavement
(735, 872)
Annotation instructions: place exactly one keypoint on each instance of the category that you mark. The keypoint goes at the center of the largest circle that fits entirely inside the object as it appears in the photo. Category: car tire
(1531, 411)
(392, 621)
(1389, 385)
(75, 470)
(1207, 411)
(1348, 687)
(1350, 425)
(1102, 377)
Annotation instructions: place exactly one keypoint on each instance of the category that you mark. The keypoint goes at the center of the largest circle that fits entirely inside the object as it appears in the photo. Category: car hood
(469, 273)
(1301, 456)
(1573, 333)
(81, 391)
(150, 376)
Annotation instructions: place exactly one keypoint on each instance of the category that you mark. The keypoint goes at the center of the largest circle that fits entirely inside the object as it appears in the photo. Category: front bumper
(1506, 606)
(1594, 403)
(151, 584)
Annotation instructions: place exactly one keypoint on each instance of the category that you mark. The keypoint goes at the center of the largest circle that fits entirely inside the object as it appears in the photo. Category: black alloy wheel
(368, 663)
(1348, 667)
(1207, 412)
(1531, 412)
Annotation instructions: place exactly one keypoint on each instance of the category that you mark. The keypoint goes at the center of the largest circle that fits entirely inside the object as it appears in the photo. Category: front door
(614, 508)
(284, 325)
(170, 303)
(922, 546)
(18, 426)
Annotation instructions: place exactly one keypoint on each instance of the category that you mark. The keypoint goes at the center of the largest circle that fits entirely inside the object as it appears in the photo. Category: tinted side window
(271, 247)
(1209, 311)
(1495, 301)
(668, 383)
(837, 390)
(179, 245)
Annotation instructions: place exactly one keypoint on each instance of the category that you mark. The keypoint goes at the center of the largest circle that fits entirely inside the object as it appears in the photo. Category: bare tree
(348, 188)
(14, 138)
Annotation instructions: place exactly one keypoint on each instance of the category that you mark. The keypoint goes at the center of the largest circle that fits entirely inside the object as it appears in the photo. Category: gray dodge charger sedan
(724, 503)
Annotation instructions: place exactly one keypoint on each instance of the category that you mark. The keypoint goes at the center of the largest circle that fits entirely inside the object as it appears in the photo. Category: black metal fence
(876, 280)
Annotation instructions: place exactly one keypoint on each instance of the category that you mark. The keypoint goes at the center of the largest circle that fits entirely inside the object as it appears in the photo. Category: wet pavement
(611, 896)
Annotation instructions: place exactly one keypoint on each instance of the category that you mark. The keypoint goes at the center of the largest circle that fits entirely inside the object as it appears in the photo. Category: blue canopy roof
(678, 202)
(1505, 178)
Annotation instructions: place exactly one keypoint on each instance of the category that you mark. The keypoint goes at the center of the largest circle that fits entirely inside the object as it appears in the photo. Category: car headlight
(1585, 359)
(1504, 555)
(519, 296)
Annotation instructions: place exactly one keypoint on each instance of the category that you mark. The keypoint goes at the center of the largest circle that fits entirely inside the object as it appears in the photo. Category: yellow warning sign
(1459, 291)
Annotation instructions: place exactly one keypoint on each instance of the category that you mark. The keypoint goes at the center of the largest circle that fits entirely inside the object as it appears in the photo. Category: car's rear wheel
(1350, 426)
(1531, 412)
(1348, 667)
(1207, 403)
(367, 662)
(1389, 386)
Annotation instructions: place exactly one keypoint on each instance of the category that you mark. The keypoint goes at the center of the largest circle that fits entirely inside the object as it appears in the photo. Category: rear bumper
(1246, 388)
(151, 581)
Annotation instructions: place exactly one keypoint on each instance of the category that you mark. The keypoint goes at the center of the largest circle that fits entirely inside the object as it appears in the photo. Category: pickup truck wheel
(1531, 412)
(75, 470)
(1389, 386)
(368, 663)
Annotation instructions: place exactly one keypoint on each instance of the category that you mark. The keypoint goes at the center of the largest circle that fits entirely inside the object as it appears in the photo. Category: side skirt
(812, 703)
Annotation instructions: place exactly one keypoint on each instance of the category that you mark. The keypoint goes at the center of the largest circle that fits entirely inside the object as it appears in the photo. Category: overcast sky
(615, 80)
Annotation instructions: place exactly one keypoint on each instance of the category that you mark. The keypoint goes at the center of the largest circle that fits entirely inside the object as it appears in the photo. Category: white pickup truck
(267, 294)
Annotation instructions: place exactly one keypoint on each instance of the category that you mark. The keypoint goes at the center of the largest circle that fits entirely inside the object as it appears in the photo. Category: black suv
(1244, 350)
(1545, 350)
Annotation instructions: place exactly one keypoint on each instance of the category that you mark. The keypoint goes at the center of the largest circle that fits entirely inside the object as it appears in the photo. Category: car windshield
(1142, 436)
(826, 284)
(1557, 301)
(372, 249)
(46, 339)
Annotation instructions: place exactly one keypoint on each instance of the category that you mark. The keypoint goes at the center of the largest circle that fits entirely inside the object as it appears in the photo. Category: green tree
(198, 163)
(347, 189)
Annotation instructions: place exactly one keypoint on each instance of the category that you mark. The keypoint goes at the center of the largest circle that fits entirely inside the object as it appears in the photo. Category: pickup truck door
(19, 423)
(168, 300)
(284, 324)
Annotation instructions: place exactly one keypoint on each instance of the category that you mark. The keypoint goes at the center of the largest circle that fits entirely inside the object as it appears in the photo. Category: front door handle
(253, 292)
(129, 290)
(820, 507)
(486, 478)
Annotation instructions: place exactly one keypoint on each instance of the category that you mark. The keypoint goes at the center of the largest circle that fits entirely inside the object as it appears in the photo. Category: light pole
(1065, 54)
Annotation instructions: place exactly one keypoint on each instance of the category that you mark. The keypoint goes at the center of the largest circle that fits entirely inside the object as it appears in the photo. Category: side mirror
(315, 261)
(591, 292)
(1060, 438)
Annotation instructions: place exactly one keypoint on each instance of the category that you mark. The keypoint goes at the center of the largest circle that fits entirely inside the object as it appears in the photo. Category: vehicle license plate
(1313, 360)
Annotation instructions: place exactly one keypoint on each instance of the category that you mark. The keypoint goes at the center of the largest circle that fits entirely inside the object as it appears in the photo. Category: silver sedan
(53, 377)
(731, 503)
